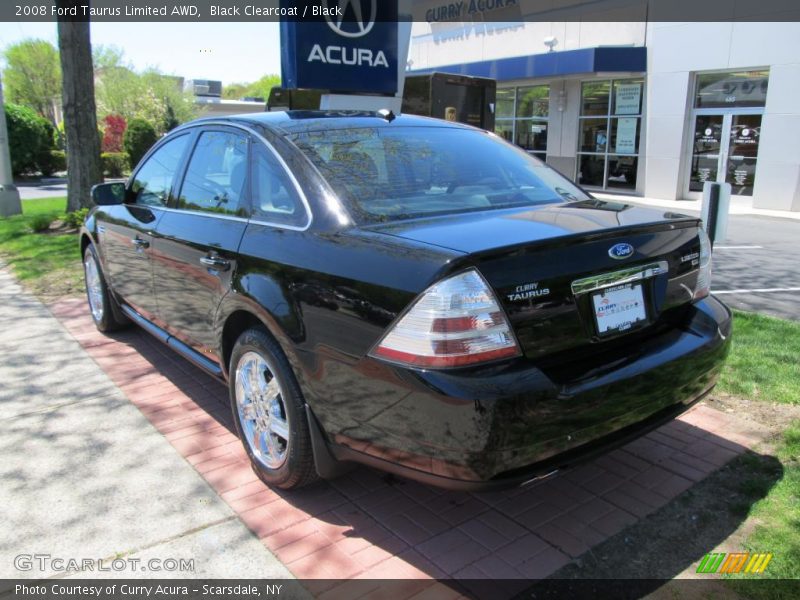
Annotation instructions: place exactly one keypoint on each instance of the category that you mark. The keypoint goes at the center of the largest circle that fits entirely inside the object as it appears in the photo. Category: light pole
(9, 196)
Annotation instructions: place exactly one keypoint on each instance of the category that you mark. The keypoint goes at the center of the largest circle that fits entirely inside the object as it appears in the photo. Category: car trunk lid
(565, 272)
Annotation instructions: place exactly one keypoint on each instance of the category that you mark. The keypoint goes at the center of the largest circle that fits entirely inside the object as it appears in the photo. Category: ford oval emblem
(620, 251)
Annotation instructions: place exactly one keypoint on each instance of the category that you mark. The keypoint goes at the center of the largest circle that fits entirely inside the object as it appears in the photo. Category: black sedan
(407, 293)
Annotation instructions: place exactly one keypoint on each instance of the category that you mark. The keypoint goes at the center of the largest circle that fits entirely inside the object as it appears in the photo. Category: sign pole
(9, 195)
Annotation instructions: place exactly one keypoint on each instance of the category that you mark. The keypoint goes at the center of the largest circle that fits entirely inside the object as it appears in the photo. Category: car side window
(153, 181)
(216, 177)
(275, 198)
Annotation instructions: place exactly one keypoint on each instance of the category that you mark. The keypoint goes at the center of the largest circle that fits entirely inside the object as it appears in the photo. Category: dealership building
(653, 109)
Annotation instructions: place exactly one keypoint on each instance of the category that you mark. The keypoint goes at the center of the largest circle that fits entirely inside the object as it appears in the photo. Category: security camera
(551, 42)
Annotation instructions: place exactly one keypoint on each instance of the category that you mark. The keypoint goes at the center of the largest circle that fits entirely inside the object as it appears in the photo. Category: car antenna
(387, 114)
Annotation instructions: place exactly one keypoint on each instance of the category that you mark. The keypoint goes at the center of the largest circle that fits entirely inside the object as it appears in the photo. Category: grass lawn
(764, 366)
(777, 525)
(48, 263)
(764, 363)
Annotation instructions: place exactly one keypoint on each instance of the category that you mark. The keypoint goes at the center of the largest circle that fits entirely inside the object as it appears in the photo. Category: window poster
(628, 100)
(626, 135)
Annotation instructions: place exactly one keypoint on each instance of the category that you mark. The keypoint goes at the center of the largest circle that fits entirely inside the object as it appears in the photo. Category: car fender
(265, 299)
(88, 232)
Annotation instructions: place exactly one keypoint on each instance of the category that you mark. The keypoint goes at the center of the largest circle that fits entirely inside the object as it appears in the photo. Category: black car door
(126, 231)
(194, 254)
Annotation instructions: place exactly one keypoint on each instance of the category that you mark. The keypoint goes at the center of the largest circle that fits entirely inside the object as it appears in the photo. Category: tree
(80, 114)
(118, 90)
(151, 95)
(33, 76)
(234, 91)
(172, 105)
(258, 89)
(138, 138)
(263, 86)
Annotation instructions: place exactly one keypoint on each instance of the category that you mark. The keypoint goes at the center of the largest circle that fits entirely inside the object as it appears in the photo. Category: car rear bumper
(512, 423)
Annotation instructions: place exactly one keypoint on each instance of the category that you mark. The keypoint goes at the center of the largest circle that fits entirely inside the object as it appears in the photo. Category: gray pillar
(9, 196)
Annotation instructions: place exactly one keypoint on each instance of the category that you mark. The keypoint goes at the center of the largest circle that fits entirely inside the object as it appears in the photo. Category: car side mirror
(108, 194)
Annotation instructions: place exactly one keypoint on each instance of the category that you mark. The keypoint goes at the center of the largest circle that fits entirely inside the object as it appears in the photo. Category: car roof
(300, 121)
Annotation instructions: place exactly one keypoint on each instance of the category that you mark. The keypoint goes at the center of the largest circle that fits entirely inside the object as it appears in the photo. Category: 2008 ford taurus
(411, 294)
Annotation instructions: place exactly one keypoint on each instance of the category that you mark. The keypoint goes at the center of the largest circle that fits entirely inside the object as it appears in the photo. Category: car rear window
(393, 173)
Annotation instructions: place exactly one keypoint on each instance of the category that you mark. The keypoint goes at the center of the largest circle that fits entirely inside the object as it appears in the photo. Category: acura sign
(352, 49)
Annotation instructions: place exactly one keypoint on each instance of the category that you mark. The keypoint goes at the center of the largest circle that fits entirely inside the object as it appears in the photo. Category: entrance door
(725, 149)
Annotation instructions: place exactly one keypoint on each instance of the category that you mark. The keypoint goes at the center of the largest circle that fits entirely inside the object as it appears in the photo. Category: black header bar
(432, 11)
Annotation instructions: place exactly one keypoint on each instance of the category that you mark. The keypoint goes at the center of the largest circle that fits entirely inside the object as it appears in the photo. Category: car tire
(269, 412)
(103, 308)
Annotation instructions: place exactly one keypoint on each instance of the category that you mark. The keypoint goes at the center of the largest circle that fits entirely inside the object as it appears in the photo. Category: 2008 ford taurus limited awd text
(411, 294)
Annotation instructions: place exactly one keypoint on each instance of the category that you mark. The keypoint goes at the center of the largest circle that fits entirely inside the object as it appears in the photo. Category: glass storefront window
(627, 97)
(532, 135)
(727, 117)
(505, 104)
(591, 170)
(594, 135)
(609, 133)
(731, 90)
(624, 137)
(533, 101)
(505, 129)
(594, 98)
(622, 172)
(521, 117)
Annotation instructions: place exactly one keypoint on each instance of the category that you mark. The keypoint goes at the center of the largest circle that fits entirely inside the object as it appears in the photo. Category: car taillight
(455, 322)
(703, 286)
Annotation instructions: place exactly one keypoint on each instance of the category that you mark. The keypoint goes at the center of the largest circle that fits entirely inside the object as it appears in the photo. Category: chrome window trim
(284, 166)
(621, 277)
(211, 215)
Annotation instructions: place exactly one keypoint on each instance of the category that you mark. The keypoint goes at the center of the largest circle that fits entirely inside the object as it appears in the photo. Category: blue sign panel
(352, 49)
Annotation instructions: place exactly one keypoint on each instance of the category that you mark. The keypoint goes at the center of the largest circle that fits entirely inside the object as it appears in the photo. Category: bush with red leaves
(113, 129)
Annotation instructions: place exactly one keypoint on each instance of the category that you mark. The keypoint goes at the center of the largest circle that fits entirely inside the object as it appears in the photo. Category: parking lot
(756, 267)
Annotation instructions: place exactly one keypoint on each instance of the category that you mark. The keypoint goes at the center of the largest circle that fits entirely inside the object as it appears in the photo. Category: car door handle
(216, 262)
(139, 243)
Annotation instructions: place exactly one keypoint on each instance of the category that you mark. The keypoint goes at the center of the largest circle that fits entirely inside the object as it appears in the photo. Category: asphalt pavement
(757, 266)
(48, 187)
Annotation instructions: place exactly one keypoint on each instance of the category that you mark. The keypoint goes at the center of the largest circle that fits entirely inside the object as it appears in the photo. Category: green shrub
(115, 164)
(138, 138)
(30, 140)
(41, 223)
(59, 158)
(60, 137)
(45, 161)
(76, 218)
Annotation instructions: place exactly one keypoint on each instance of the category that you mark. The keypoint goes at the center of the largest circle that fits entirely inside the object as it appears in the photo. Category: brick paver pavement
(369, 525)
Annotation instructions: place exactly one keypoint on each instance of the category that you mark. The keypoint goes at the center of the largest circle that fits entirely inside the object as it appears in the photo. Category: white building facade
(646, 108)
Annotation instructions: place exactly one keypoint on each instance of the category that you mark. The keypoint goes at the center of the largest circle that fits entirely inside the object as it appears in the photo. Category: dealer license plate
(619, 308)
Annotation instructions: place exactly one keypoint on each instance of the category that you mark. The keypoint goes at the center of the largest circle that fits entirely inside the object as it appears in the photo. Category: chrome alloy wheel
(94, 287)
(261, 409)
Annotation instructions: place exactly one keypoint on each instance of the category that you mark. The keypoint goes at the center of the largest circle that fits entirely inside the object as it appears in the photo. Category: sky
(229, 52)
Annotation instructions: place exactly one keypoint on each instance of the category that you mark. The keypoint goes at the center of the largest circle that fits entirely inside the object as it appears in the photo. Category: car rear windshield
(393, 173)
